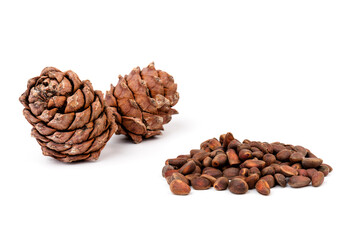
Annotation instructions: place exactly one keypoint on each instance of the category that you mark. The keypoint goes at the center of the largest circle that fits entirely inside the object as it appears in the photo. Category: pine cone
(69, 119)
(142, 102)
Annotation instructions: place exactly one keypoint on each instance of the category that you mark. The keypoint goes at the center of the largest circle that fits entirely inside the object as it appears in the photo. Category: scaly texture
(142, 102)
(70, 120)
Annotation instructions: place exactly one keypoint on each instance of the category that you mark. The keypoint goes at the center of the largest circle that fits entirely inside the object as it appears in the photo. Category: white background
(265, 70)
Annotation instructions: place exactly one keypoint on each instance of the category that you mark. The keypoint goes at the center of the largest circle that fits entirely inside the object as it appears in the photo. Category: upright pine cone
(69, 119)
(143, 102)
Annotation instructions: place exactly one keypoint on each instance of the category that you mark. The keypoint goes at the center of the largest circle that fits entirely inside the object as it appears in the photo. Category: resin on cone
(142, 102)
(70, 120)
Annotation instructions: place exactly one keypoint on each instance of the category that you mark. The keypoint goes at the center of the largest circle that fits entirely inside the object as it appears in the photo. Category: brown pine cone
(70, 120)
(142, 102)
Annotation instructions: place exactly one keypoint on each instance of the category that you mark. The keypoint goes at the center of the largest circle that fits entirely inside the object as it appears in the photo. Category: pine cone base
(70, 120)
